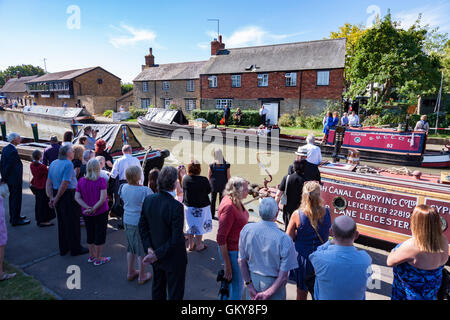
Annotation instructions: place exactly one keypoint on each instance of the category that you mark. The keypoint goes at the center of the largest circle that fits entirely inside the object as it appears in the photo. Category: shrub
(313, 122)
(108, 113)
(371, 121)
(249, 117)
(136, 113)
(287, 120)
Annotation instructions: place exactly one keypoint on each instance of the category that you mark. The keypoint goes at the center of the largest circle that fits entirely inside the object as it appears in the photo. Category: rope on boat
(366, 169)
(402, 171)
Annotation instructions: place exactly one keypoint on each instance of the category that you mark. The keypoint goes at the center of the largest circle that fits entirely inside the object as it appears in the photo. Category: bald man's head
(344, 228)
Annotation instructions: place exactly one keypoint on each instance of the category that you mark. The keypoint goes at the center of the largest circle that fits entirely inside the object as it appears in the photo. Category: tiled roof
(65, 75)
(311, 55)
(172, 71)
(17, 85)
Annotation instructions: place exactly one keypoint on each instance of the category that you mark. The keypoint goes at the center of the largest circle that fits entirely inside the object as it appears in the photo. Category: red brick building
(95, 88)
(286, 78)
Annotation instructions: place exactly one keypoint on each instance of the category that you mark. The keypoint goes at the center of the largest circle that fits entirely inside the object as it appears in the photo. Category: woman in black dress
(219, 174)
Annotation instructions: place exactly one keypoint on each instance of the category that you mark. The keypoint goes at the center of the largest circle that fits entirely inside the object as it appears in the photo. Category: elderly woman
(218, 175)
(266, 255)
(232, 218)
(418, 262)
(197, 208)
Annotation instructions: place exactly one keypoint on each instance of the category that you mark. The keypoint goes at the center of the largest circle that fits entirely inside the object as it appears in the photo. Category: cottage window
(145, 86)
(167, 103)
(323, 78)
(291, 79)
(66, 86)
(221, 103)
(236, 81)
(212, 80)
(263, 80)
(145, 103)
(190, 86)
(190, 104)
(166, 85)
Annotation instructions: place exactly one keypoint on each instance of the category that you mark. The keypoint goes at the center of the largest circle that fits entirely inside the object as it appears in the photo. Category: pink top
(90, 193)
(231, 222)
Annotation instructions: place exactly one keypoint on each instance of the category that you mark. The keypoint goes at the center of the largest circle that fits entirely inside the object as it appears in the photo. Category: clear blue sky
(117, 34)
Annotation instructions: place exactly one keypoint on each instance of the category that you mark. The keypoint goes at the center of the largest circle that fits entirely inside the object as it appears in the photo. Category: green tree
(126, 87)
(395, 62)
(25, 70)
(352, 33)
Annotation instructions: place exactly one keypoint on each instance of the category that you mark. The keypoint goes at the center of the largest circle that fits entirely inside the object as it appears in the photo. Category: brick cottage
(286, 78)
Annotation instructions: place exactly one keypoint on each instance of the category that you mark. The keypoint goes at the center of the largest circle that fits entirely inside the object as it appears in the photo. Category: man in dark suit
(226, 114)
(312, 172)
(161, 230)
(11, 169)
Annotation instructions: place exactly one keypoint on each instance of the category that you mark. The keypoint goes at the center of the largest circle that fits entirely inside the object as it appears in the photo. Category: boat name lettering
(364, 216)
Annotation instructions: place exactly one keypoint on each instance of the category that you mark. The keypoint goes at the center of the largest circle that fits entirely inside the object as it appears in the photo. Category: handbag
(284, 199)
(117, 208)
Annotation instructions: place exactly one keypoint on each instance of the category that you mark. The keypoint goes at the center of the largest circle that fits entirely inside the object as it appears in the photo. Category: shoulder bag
(283, 199)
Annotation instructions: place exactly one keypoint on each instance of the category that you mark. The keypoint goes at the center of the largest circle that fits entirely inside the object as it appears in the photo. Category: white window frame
(263, 80)
(143, 106)
(236, 80)
(323, 78)
(167, 106)
(291, 79)
(145, 86)
(166, 85)
(221, 103)
(212, 81)
(190, 85)
(191, 104)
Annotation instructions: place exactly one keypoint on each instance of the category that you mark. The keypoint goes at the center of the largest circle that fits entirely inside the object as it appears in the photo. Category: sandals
(148, 277)
(131, 278)
(91, 259)
(203, 249)
(99, 262)
(7, 276)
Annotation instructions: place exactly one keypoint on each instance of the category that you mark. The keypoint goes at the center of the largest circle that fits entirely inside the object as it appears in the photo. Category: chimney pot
(149, 59)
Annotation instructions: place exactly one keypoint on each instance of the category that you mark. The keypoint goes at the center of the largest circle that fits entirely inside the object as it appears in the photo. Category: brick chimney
(149, 60)
(217, 46)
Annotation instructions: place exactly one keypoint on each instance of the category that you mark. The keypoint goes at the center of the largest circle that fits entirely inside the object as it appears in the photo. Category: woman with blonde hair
(133, 195)
(218, 175)
(309, 227)
(77, 161)
(91, 196)
(232, 218)
(418, 262)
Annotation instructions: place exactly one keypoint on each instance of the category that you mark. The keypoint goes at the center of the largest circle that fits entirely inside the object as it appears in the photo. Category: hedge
(136, 113)
(249, 118)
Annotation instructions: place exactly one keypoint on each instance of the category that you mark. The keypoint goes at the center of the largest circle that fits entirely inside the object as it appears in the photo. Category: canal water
(243, 160)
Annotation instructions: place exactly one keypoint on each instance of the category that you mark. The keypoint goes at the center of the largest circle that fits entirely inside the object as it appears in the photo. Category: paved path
(35, 250)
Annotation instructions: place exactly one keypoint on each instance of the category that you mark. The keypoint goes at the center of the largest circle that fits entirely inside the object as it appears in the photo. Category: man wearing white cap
(312, 172)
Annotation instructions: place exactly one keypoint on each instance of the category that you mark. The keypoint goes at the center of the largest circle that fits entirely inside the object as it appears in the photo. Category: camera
(224, 285)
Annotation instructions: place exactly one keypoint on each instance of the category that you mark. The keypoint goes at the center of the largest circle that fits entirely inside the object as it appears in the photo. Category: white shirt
(104, 174)
(262, 111)
(353, 120)
(122, 164)
(314, 154)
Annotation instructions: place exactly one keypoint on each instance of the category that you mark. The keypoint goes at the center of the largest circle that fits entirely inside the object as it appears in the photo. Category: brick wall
(110, 86)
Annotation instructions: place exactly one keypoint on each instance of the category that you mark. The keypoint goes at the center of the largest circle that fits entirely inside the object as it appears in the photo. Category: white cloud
(248, 36)
(435, 16)
(134, 36)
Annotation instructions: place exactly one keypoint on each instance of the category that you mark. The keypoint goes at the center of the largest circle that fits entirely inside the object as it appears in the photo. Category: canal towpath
(35, 251)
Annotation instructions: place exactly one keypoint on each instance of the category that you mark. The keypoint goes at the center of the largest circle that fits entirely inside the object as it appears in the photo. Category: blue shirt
(62, 170)
(341, 272)
(344, 121)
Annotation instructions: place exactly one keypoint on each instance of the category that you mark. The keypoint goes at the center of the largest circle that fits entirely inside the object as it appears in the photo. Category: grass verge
(22, 287)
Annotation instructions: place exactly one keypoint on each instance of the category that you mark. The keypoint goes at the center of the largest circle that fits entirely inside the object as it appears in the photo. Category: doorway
(272, 112)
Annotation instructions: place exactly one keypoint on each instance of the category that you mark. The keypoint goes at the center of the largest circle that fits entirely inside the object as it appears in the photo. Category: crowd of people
(169, 216)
